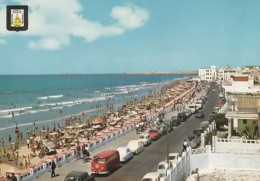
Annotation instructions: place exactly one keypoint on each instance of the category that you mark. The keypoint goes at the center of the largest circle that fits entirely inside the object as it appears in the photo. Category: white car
(164, 168)
(136, 146)
(220, 95)
(145, 138)
(213, 90)
(192, 108)
(199, 104)
(173, 157)
(124, 153)
(152, 176)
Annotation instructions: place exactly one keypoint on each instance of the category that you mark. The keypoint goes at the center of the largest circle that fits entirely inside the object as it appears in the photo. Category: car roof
(105, 153)
(76, 173)
(173, 154)
(151, 175)
(162, 162)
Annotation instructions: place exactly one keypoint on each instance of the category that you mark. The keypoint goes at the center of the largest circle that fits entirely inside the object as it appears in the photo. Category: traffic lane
(148, 160)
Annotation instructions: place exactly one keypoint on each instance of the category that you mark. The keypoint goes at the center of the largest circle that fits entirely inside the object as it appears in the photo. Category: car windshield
(161, 167)
(172, 157)
(152, 131)
(99, 160)
(142, 137)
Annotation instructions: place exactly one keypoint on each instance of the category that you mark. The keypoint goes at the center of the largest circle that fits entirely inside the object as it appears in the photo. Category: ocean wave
(37, 111)
(57, 108)
(50, 97)
(15, 109)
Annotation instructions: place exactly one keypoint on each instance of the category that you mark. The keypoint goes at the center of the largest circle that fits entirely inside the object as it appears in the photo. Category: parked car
(163, 168)
(188, 113)
(145, 138)
(204, 125)
(173, 157)
(169, 123)
(198, 131)
(199, 104)
(199, 114)
(152, 176)
(182, 116)
(192, 108)
(76, 175)
(154, 134)
(124, 153)
(194, 140)
(162, 129)
(105, 162)
(220, 95)
(175, 120)
(213, 90)
(136, 146)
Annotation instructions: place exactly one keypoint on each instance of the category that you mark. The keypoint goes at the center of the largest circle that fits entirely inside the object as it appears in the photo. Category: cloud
(53, 23)
(130, 17)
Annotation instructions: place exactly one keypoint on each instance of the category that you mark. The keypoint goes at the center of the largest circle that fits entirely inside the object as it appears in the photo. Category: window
(244, 121)
(101, 160)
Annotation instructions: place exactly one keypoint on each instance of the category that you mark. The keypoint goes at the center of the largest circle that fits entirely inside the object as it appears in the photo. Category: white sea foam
(50, 97)
(57, 108)
(37, 111)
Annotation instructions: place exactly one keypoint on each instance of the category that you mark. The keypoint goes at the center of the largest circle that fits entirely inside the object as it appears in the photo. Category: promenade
(146, 161)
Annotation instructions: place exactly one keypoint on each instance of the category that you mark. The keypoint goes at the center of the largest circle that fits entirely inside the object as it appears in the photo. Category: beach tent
(50, 145)
(97, 120)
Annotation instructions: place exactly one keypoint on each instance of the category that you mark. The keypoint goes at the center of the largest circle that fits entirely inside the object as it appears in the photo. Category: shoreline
(157, 97)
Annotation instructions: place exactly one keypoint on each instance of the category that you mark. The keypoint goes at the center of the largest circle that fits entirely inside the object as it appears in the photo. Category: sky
(116, 36)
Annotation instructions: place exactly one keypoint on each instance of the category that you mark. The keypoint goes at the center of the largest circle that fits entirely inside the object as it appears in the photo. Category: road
(148, 160)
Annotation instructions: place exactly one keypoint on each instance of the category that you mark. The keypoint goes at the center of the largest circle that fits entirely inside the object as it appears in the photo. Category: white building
(208, 74)
(243, 103)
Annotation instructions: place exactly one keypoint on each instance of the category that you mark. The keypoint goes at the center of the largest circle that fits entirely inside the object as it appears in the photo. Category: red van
(105, 162)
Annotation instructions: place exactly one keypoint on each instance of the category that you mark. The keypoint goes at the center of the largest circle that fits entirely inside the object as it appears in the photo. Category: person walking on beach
(10, 139)
(28, 143)
(3, 142)
(184, 146)
(53, 167)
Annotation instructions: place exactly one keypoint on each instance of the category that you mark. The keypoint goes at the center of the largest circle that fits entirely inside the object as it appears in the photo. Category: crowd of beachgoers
(26, 150)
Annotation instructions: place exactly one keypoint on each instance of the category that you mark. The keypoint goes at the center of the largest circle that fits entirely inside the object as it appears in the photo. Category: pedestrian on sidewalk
(78, 152)
(184, 146)
(53, 167)
(137, 128)
(85, 153)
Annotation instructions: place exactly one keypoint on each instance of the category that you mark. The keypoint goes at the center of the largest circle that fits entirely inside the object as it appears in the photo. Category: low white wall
(224, 145)
(224, 160)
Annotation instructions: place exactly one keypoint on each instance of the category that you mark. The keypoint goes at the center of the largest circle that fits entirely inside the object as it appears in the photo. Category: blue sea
(40, 98)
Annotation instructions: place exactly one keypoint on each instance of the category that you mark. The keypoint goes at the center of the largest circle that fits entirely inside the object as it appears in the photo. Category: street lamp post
(167, 146)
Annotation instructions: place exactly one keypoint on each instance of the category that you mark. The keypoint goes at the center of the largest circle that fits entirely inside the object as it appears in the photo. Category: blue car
(199, 114)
